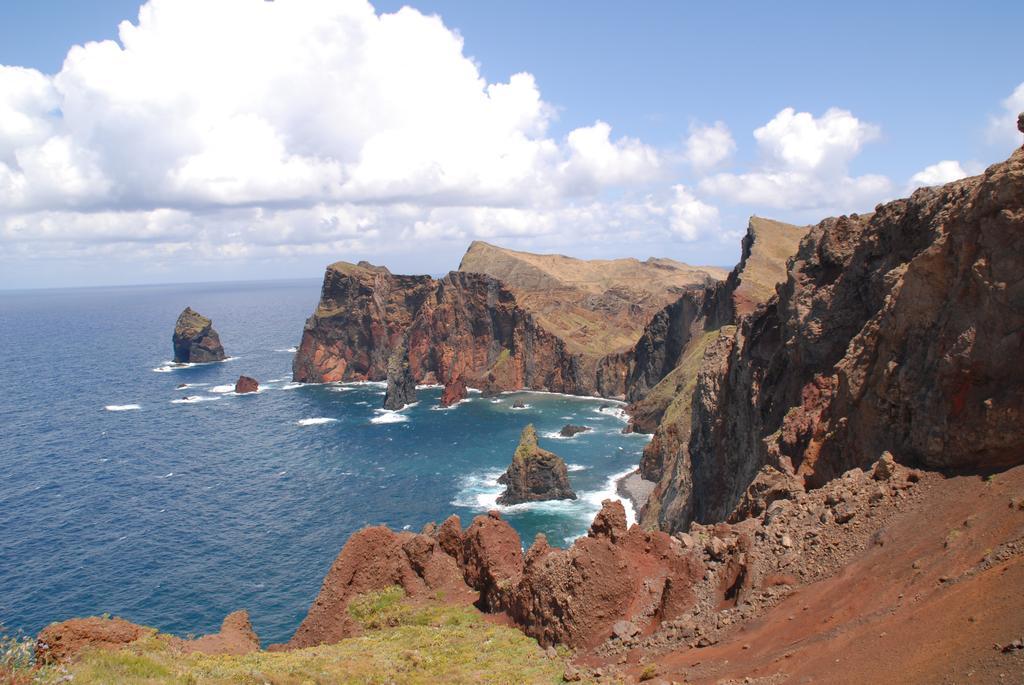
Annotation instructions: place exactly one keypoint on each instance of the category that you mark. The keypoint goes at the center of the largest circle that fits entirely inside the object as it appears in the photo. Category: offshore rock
(195, 340)
(535, 474)
(454, 392)
(401, 384)
(246, 384)
(569, 430)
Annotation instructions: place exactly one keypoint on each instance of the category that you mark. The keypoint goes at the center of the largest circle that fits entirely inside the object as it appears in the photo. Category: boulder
(246, 384)
(195, 340)
(454, 391)
(569, 430)
(535, 474)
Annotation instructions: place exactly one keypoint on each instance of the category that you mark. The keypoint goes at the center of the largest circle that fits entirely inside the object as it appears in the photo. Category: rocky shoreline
(636, 489)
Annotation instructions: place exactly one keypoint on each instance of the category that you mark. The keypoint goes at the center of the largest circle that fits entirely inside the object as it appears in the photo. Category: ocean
(122, 494)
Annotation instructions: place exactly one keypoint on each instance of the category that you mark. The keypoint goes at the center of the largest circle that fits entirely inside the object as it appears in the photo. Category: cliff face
(597, 307)
(463, 325)
(897, 331)
(663, 367)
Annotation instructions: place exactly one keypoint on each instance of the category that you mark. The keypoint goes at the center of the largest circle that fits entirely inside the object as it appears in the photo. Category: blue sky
(909, 85)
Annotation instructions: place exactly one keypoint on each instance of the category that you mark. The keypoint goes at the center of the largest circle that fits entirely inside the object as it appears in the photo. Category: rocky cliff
(464, 325)
(661, 370)
(195, 340)
(893, 332)
(535, 474)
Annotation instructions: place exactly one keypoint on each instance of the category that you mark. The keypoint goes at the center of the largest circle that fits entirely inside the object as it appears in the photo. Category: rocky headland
(195, 340)
(837, 460)
(454, 392)
(535, 474)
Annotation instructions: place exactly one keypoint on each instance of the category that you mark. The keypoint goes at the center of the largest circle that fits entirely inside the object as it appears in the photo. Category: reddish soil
(933, 599)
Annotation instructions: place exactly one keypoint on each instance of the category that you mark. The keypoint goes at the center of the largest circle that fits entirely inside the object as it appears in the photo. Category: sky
(189, 140)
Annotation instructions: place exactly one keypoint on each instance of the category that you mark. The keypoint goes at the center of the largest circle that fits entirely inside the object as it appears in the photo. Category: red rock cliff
(464, 325)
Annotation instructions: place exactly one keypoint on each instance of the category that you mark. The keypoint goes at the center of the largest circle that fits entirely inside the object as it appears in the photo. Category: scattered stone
(884, 468)
(518, 404)
(572, 674)
(624, 630)
(843, 512)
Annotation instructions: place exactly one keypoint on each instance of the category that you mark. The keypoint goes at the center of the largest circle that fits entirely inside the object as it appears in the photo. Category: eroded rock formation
(454, 392)
(195, 340)
(569, 430)
(401, 388)
(535, 474)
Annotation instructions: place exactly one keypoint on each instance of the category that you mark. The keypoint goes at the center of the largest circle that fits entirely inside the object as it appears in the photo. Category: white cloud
(689, 218)
(708, 146)
(1002, 129)
(805, 165)
(246, 101)
(939, 173)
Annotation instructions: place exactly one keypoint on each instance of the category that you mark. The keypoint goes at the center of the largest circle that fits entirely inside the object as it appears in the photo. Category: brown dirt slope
(597, 306)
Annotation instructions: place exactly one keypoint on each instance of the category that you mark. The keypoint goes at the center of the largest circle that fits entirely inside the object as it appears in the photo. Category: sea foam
(317, 421)
(122, 407)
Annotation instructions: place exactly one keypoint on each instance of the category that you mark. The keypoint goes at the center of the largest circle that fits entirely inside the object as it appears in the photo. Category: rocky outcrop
(245, 384)
(569, 430)
(534, 474)
(465, 325)
(571, 597)
(195, 340)
(401, 388)
(666, 360)
(62, 642)
(894, 332)
(454, 392)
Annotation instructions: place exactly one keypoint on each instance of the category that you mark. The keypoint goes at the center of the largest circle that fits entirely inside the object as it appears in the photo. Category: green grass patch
(404, 643)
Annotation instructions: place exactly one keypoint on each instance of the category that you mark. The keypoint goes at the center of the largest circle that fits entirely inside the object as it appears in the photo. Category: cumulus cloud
(804, 165)
(708, 146)
(937, 174)
(1002, 128)
(238, 103)
(690, 217)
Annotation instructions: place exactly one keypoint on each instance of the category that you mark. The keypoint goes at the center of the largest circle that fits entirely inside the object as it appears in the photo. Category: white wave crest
(292, 350)
(292, 386)
(576, 467)
(122, 407)
(616, 412)
(222, 388)
(388, 416)
(317, 421)
(194, 399)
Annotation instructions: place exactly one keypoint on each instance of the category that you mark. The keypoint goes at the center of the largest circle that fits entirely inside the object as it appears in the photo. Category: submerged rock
(535, 474)
(195, 340)
(246, 384)
(569, 430)
(454, 391)
(401, 384)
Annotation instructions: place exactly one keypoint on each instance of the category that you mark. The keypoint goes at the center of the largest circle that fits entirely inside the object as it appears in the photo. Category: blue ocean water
(171, 507)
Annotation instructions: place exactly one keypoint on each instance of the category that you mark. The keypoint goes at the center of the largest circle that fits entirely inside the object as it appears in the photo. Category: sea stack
(454, 392)
(401, 385)
(195, 340)
(246, 384)
(535, 474)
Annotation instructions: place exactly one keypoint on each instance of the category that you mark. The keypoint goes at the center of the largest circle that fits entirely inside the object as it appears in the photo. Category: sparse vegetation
(404, 643)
